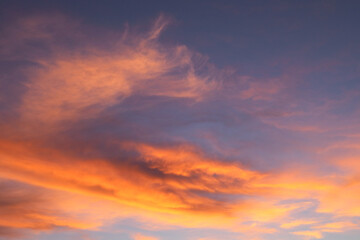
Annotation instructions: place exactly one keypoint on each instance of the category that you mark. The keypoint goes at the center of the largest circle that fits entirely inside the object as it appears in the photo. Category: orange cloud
(28, 207)
(106, 180)
(180, 173)
(297, 223)
(309, 234)
(142, 237)
(72, 85)
(172, 190)
(336, 226)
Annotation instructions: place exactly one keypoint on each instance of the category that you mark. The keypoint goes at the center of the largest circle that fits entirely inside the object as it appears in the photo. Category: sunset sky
(180, 120)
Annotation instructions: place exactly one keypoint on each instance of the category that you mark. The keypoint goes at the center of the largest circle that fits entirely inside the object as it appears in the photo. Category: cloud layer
(154, 132)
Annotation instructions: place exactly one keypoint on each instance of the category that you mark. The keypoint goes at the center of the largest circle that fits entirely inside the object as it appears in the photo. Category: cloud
(336, 226)
(142, 237)
(70, 85)
(297, 223)
(309, 234)
(102, 127)
(173, 181)
(28, 207)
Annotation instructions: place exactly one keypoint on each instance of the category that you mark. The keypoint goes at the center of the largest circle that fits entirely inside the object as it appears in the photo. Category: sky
(179, 120)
